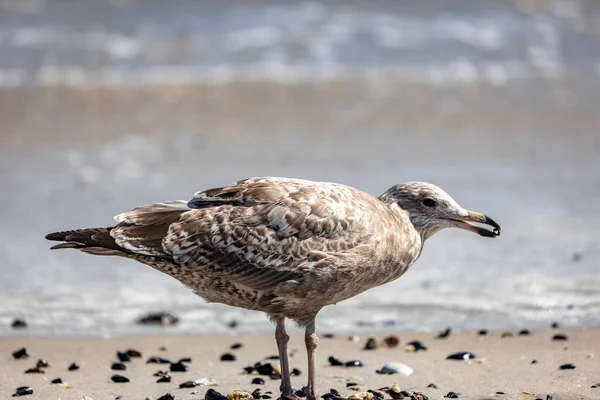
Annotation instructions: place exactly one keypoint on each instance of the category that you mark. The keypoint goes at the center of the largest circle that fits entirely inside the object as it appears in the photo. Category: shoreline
(502, 364)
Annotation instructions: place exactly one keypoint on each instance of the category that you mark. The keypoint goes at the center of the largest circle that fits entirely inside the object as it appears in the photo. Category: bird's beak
(478, 223)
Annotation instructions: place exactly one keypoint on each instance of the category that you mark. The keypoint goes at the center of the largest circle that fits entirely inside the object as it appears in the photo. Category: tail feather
(89, 240)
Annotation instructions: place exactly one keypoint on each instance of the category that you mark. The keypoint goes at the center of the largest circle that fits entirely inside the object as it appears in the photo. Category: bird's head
(431, 209)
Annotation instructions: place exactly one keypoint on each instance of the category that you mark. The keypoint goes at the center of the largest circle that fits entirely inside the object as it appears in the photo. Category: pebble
(36, 370)
(296, 372)
(236, 346)
(555, 325)
(19, 323)
(415, 346)
(166, 378)
(559, 336)
(239, 395)
(354, 363)
(133, 353)
(451, 395)
(334, 361)
(444, 334)
(56, 381)
(391, 341)
(328, 336)
(162, 348)
(119, 379)
(395, 392)
(160, 318)
(534, 361)
(23, 391)
(567, 366)
(524, 332)
(258, 381)
(371, 344)
(167, 396)
(228, 357)
(123, 357)
(500, 393)
(462, 355)
(483, 332)
(21, 353)
(158, 360)
(395, 368)
(41, 363)
(160, 373)
(204, 381)
(179, 367)
(118, 366)
(506, 334)
(73, 367)
(432, 385)
(597, 385)
(377, 394)
(298, 393)
(361, 396)
(264, 368)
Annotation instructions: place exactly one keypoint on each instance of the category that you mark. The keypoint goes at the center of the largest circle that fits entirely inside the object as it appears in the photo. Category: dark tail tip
(58, 236)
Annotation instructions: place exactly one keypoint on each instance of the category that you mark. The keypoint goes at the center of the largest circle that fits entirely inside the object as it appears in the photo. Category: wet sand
(502, 364)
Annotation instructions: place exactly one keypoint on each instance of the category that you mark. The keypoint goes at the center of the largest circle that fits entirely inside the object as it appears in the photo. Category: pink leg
(282, 340)
(311, 339)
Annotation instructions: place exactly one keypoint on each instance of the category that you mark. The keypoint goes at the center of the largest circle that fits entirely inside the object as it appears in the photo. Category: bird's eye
(429, 202)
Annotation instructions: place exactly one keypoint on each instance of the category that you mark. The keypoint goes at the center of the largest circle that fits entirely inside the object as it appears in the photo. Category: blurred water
(109, 105)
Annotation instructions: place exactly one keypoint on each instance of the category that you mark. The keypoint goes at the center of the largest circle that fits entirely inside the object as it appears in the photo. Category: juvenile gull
(288, 247)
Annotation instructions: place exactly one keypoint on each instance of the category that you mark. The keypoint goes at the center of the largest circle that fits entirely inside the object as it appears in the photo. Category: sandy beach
(503, 367)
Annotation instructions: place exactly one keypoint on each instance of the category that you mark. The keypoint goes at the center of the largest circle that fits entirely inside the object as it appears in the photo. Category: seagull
(287, 247)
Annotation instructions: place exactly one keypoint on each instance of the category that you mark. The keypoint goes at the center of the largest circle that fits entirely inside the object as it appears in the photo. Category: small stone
(377, 394)
(158, 360)
(595, 386)
(236, 346)
(22, 391)
(371, 344)
(167, 396)
(559, 336)
(462, 355)
(296, 372)
(228, 357)
(350, 384)
(548, 397)
(118, 366)
(432, 385)
(483, 332)
(444, 334)
(354, 339)
(328, 336)
(188, 384)
(395, 368)
(524, 332)
(395, 392)
(334, 392)
(239, 395)
(335, 362)
(418, 396)
(119, 379)
(21, 353)
(41, 363)
(391, 341)
(56, 381)
(256, 394)
(354, 363)
(361, 396)
(415, 346)
(301, 392)
(166, 378)
(451, 395)
(506, 334)
(179, 367)
(159, 318)
(258, 381)
(73, 367)
(264, 368)
(500, 393)
(19, 323)
(119, 397)
(123, 357)
(133, 353)
(567, 366)
(162, 348)
(534, 361)
(555, 325)
(36, 370)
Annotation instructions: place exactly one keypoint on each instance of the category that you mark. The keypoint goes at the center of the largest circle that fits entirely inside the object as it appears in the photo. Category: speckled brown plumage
(287, 247)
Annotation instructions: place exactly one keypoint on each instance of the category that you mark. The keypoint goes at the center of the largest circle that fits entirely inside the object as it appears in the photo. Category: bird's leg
(311, 339)
(282, 341)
